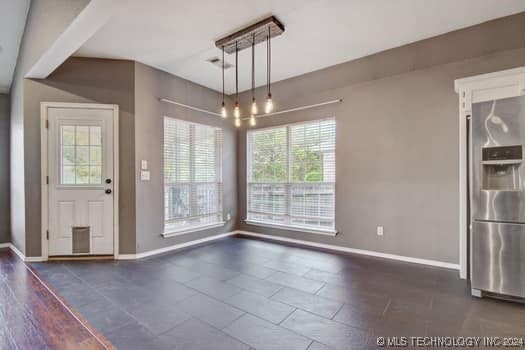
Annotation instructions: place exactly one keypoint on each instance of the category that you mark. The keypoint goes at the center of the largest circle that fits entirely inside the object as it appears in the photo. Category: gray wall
(46, 20)
(82, 80)
(5, 215)
(135, 88)
(397, 137)
(150, 84)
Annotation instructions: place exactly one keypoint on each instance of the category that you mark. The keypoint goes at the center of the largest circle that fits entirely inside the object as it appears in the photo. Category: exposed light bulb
(268, 108)
(255, 110)
(252, 120)
(224, 112)
(237, 111)
(237, 122)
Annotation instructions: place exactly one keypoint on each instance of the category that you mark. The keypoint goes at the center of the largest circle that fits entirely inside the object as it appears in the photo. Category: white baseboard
(20, 255)
(354, 251)
(17, 252)
(260, 235)
(172, 247)
(34, 259)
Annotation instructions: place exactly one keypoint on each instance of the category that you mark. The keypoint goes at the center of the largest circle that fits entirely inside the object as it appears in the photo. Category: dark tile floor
(240, 293)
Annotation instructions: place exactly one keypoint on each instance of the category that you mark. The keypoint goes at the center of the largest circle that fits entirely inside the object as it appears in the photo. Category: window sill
(185, 230)
(292, 228)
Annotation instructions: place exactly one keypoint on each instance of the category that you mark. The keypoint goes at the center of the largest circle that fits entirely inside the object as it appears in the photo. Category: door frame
(44, 106)
(484, 87)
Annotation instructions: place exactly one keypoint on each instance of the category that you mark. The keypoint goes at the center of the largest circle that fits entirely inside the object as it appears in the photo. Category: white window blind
(291, 175)
(192, 175)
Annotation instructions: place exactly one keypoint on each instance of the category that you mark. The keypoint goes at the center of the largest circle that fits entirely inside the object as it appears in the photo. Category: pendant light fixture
(263, 30)
(268, 108)
(224, 113)
(236, 110)
(254, 108)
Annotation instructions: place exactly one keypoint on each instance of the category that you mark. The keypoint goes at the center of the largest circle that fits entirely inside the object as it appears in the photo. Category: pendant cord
(223, 75)
(269, 58)
(253, 67)
(236, 73)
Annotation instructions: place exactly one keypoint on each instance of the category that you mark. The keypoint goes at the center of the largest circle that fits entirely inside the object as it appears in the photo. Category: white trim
(354, 251)
(291, 228)
(481, 79)
(17, 252)
(183, 231)
(22, 257)
(513, 80)
(174, 247)
(44, 106)
(290, 240)
(35, 259)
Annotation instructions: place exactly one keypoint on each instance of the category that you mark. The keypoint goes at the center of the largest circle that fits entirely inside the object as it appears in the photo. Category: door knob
(108, 181)
(108, 191)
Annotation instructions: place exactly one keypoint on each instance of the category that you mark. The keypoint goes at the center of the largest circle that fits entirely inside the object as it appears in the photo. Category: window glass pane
(81, 164)
(68, 175)
(95, 137)
(312, 200)
(267, 198)
(268, 155)
(95, 176)
(82, 135)
(177, 202)
(95, 157)
(176, 151)
(207, 200)
(312, 152)
(82, 155)
(204, 143)
(192, 188)
(68, 135)
(68, 155)
(82, 175)
(291, 175)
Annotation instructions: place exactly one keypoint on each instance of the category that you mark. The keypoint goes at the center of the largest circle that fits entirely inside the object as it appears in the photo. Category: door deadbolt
(108, 181)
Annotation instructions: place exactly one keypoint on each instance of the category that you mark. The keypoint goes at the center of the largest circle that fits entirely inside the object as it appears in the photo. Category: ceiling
(178, 36)
(13, 14)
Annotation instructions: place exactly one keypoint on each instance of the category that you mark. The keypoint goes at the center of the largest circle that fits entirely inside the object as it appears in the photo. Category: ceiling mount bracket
(256, 33)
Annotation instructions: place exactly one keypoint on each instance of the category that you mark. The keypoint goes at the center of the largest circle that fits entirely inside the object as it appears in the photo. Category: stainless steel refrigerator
(497, 197)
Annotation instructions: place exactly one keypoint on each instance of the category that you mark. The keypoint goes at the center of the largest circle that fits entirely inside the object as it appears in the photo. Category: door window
(81, 155)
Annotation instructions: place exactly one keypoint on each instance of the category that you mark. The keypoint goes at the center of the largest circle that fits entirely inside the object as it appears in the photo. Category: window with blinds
(192, 175)
(291, 175)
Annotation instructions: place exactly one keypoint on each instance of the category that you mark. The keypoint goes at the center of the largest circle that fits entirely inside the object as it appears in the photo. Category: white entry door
(80, 184)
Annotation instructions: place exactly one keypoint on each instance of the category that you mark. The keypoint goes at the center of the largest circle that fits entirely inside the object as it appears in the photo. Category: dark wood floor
(31, 317)
(240, 293)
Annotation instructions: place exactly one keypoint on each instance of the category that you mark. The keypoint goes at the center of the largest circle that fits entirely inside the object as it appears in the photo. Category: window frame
(289, 183)
(170, 228)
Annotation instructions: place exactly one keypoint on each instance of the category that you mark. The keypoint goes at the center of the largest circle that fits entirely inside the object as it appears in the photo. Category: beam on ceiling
(96, 14)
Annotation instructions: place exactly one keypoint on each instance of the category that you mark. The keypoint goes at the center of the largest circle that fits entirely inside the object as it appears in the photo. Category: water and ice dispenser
(501, 168)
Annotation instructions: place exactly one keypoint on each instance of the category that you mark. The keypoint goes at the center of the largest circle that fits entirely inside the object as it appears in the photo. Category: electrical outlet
(228, 217)
(379, 230)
